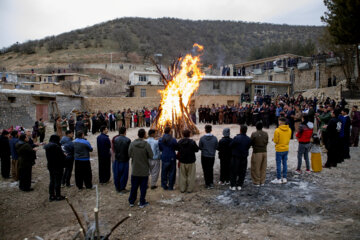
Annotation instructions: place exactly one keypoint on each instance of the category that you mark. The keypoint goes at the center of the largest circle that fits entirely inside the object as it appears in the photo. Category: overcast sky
(22, 20)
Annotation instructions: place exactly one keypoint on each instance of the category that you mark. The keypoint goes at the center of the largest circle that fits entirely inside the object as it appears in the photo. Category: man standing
(140, 152)
(225, 157)
(55, 164)
(240, 150)
(155, 161)
(208, 145)
(5, 154)
(304, 136)
(14, 156)
(345, 133)
(26, 161)
(68, 148)
(104, 155)
(355, 123)
(72, 124)
(168, 145)
(121, 163)
(281, 139)
(82, 149)
(259, 141)
(333, 138)
(42, 130)
(58, 127)
(187, 158)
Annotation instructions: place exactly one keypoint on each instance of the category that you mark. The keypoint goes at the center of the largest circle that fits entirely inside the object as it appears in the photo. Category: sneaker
(297, 171)
(227, 183)
(153, 187)
(238, 188)
(232, 188)
(263, 184)
(144, 205)
(221, 183)
(60, 198)
(284, 180)
(52, 198)
(256, 185)
(276, 181)
(131, 205)
(211, 186)
(62, 185)
(308, 171)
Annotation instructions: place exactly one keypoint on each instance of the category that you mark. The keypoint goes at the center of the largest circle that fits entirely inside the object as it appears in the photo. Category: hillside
(135, 39)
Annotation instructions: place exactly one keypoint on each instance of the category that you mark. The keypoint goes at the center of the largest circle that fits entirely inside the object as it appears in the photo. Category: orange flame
(180, 88)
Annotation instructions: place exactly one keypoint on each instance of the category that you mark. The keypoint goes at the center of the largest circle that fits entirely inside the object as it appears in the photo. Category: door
(42, 112)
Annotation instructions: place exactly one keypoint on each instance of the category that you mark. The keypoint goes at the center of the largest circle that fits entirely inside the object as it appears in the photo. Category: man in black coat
(333, 138)
(68, 148)
(55, 164)
(104, 155)
(5, 154)
(26, 159)
(240, 150)
(225, 157)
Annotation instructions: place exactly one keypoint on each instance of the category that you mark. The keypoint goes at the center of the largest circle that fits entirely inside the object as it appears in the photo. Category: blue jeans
(137, 182)
(168, 174)
(303, 150)
(121, 174)
(281, 157)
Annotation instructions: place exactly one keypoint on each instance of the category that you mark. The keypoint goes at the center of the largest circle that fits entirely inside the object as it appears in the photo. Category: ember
(180, 85)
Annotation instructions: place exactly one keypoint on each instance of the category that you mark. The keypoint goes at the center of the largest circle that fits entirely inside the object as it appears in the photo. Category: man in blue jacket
(67, 147)
(104, 155)
(82, 149)
(240, 150)
(168, 145)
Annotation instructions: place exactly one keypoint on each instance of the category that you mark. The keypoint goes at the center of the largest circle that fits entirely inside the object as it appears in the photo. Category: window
(143, 92)
(142, 78)
(11, 99)
(260, 89)
(216, 85)
(270, 77)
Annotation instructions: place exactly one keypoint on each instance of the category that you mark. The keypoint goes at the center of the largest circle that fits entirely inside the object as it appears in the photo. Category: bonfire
(182, 80)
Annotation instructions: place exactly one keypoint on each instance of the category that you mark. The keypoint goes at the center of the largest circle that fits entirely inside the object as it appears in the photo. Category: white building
(144, 78)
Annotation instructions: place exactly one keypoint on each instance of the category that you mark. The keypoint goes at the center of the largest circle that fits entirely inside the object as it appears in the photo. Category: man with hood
(55, 164)
(187, 158)
(225, 157)
(208, 145)
(121, 164)
(304, 137)
(26, 158)
(140, 152)
(155, 161)
(104, 155)
(239, 150)
(281, 139)
(168, 145)
(68, 149)
(5, 154)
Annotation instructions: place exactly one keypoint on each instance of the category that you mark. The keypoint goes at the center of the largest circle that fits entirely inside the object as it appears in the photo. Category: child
(315, 150)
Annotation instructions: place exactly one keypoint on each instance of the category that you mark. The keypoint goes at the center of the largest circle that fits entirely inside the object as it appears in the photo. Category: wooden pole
(77, 216)
(96, 212)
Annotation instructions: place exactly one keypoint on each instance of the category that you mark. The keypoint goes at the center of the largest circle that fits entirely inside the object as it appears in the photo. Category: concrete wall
(226, 87)
(151, 91)
(94, 104)
(153, 78)
(66, 104)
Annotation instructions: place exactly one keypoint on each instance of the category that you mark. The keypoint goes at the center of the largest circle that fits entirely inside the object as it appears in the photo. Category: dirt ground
(321, 205)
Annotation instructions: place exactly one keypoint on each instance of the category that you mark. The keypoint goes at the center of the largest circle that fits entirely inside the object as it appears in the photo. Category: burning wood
(180, 84)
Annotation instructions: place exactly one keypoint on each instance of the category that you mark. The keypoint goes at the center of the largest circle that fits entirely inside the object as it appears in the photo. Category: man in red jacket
(304, 136)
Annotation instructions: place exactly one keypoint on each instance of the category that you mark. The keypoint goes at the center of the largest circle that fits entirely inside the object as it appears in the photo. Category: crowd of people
(316, 125)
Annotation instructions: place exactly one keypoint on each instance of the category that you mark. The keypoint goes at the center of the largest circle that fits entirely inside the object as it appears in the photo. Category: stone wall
(211, 99)
(94, 104)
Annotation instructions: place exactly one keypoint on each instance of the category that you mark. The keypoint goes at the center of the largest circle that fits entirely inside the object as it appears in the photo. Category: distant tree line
(224, 41)
(307, 48)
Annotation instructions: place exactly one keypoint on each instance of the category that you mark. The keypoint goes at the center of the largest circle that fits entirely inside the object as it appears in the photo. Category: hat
(226, 132)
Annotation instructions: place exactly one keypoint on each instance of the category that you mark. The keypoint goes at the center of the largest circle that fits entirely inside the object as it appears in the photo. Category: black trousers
(83, 174)
(225, 169)
(238, 171)
(5, 166)
(207, 164)
(137, 182)
(25, 178)
(104, 169)
(42, 136)
(69, 165)
(55, 182)
(333, 156)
